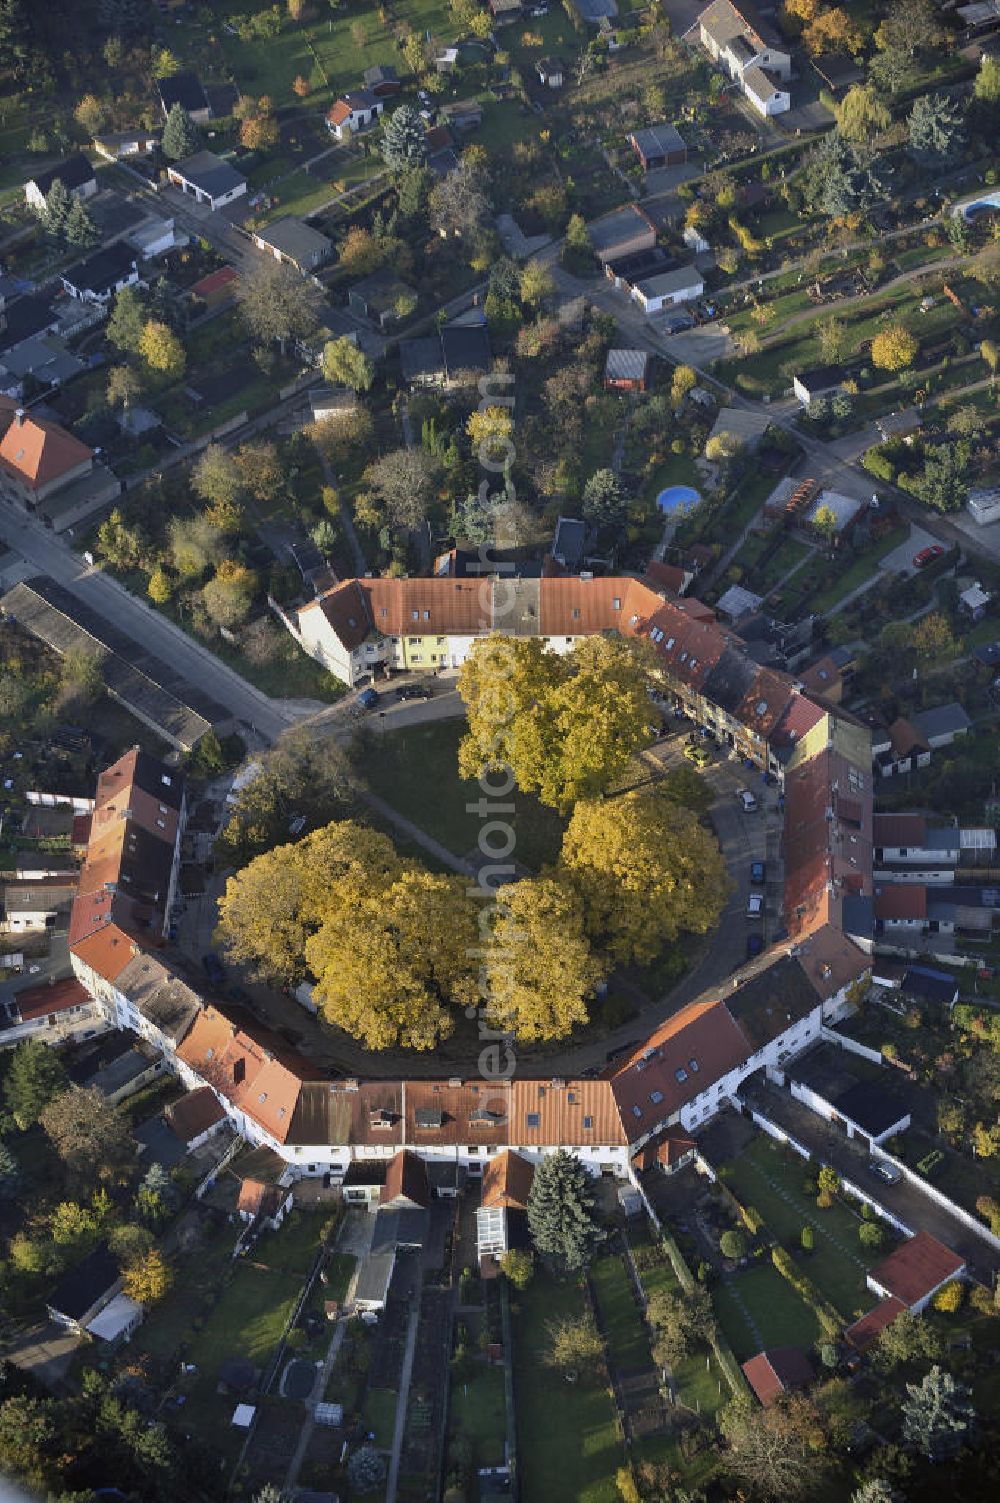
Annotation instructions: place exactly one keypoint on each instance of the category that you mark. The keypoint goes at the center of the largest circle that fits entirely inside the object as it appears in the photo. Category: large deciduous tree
(161, 349)
(303, 776)
(561, 1215)
(404, 483)
(773, 1451)
(679, 1321)
(271, 909)
(645, 871)
(393, 966)
(574, 1345)
(459, 203)
(540, 970)
(345, 364)
(566, 726)
(127, 320)
(89, 1135)
(277, 304)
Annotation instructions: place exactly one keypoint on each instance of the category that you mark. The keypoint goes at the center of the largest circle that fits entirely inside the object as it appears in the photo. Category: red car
(927, 556)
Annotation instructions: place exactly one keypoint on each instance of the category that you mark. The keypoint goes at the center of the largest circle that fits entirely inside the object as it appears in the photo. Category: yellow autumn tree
(272, 907)
(161, 349)
(894, 348)
(392, 967)
(833, 31)
(645, 871)
(148, 1278)
(567, 726)
(540, 969)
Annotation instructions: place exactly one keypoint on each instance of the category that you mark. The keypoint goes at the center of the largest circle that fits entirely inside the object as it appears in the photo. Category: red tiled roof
(864, 1331)
(257, 1199)
(215, 281)
(564, 1114)
(663, 576)
(406, 1178)
(507, 1181)
(107, 951)
(666, 1148)
(339, 112)
(698, 1045)
(195, 1113)
(916, 1269)
(899, 829)
(39, 1001)
(901, 900)
(38, 452)
(774, 1372)
(905, 738)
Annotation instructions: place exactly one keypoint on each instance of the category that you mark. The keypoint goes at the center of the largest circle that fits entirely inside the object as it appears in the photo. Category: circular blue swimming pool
(676, 496)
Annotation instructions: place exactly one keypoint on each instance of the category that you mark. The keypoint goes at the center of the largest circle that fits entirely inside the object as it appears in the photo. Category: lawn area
(479, 1412)
(567, 1433)
(416, 771)
(380, 1415)
(246, 1321)
(339, 1268)
(197, 1275)
(623, 1325)
(782, 1319)
(766, 1179)
(860, 570)
(292, 1249)
(678, 469)
(791, 553)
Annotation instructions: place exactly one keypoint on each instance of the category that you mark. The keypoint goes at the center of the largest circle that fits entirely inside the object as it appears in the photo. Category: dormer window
(680, 1076)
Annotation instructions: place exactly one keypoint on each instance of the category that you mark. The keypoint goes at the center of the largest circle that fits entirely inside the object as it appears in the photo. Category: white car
(747, 801)
(755, 906)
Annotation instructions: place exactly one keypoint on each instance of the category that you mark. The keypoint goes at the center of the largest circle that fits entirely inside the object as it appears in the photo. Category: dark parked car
(755, 944)
(213, 968)
(622, 1049)
(758, 873)
(415, 691)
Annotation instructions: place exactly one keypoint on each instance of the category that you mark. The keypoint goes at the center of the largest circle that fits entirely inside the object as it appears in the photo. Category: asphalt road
(48, 555)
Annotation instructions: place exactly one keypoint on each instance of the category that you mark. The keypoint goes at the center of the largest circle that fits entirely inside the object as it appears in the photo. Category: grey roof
(466, 349)
(103, 270)
(822, 378)
(144, 684)
(84, 1285)
(619, 228)
(906, 421)
(760, 83)
(380, 73)
(873, 1105)
(942, 719)
(942, 838)
(723, 20)
(183, 88)
(45, 357)
(404, 1227)
(293, 238)
(209, 173)
(421, 357)
(626, 365)
(593, 10)
(568, 543)
(677, 280)
(738, 601)
(121, 1071)
(658, 140)
(160, 994)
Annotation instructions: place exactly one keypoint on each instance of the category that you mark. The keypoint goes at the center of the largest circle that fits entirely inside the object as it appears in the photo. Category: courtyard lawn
(479, 1412)
(620, 1317)
(380, 1415)
(860, 571)
(247, 1320)
(416, 771)
(197, 1275)
(567, 1433)
(780, 1317)
(773, 1184)
(339, 1269)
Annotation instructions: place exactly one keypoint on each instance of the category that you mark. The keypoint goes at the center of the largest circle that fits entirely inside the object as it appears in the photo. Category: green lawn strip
(861, 570)
(567, 1432)
(676, 469)
(169, 1322)
(380, 1415)
(416, 771)
(620, 1317)
(293, 1248)
(791, 552)
(339, 1268)
(782, 1319)
(478, 1412)
(692, 1455)
(701, 1384)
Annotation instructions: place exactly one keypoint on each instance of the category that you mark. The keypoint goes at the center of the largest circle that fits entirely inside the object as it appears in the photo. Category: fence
(852, 1046)
(938, 1196)
(78, 804)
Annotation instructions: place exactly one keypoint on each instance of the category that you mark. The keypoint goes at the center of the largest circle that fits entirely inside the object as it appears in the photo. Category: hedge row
(807, 1291)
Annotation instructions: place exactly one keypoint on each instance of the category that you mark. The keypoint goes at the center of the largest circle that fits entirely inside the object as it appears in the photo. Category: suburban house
(821, 382)
(658, 146)
(97, 278)
(406, 1186)
(331, 402)
(208, 178)
(774, 1373)
(906, 847)
(746, 48)
(382, 80)
(463, 115)
(626, 370)
(117, 146)
(76, 175)
(943, 724)
(625, 232)
(43, 358)
(913, 1274)
(60, 1009)
(904, 424)
(217, 287)
(290, 240)
(899, 747)
(196, 1117)
(550, 72)
(668, 288)
(83, 1292)
(37, 457)
(185, 89)
(352, 113)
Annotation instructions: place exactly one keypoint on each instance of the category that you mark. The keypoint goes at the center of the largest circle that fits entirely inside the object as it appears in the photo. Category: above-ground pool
(676, 496)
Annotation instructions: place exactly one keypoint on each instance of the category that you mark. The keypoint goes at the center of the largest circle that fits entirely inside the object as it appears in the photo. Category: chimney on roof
(19, 416)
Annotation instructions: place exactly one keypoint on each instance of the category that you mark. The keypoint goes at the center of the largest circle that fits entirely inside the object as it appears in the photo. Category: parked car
(755, 906)
(747, 801)
(755, 944)
(927, 556)
(886, 1172)
(758, 873)
(414, 691)
(678, 323)
(213, 968)
(622, 1049)
(699, 755)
